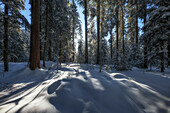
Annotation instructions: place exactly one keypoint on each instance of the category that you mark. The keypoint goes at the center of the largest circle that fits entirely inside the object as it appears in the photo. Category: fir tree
(157, 33)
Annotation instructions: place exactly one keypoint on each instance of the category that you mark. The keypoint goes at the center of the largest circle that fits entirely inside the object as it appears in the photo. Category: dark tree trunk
(117, 29)
(98, 31)
(69, 51)
(136, 22)
(41, 51)
(50, 51)
(123, 42)
(31, 40)
(111, 44)
(86, 39)
(101, 38)
(6, 38)
(145, 45)
(73, 49)
(46, 36)
(73, 42)
(57, 60)
(44, 52)
(133, 32)
(162, 57)
(60, 52)
(169, 51)
(35, 36)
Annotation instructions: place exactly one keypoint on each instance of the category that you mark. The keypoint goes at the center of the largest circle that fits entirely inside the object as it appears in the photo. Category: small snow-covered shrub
(122, 64)
(107, 67)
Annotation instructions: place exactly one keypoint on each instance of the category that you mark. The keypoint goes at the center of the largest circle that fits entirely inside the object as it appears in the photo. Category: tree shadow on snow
(74, 95)
(100, 92)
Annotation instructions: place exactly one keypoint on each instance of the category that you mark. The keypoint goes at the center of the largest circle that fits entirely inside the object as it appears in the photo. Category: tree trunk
(98, 31)
(169, 51)
(111, 44)
(46, 36)
(41, 51)
(145, 45)
(133, 33)
(57, 59)
(123, 42)
(35, 36)
(117, 29)
(31, 47)
(6, 38)
(60, 51)
(86, 39)
(162, 57)
(44, 52)
(136, 22)
(69, 51)
(100, 46)
(50, 51)
(73, 42)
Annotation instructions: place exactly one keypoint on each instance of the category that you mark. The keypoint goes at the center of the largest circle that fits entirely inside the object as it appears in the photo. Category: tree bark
(86, 39)
(145, 45)
(169, 51)
(111, 44)
(46, 36)
(117, 29)
(123, 42)
(31, 38)
(57, 59)
(50, 51)
(162, 57)
(60, 51)
(6, 38)
(41, 53)
(73, 38)
(35, 36)
(98, 31)
(136, 22)
(101, 33)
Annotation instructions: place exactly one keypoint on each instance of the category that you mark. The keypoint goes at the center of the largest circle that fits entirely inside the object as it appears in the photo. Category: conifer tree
(156, 34)
(13, 20)
(35, 35)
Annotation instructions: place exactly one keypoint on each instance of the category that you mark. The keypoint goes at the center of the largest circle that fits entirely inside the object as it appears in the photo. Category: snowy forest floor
(82, 89)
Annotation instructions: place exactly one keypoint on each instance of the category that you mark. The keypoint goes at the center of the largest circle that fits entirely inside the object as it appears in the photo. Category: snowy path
(82, 89)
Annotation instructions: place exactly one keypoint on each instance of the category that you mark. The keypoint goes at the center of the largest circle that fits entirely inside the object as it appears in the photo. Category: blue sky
(27, 12)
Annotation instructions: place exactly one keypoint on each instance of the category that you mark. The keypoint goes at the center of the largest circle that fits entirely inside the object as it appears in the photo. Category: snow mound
(120, 76)
(23, 75)
(77, 96)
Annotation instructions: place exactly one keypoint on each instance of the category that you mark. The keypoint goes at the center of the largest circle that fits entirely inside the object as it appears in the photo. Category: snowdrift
(82, 89)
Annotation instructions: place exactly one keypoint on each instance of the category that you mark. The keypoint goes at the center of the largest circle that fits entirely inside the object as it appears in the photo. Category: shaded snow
(82, 89)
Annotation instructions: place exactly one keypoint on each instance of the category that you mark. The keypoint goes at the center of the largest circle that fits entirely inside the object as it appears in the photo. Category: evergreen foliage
(112, 32)
(157, 34)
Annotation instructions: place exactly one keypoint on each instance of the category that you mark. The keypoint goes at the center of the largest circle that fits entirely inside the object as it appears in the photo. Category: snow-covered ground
(82, 89)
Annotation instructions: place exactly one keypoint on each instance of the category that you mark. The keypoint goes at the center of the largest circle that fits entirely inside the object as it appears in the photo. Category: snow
(82, 89)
